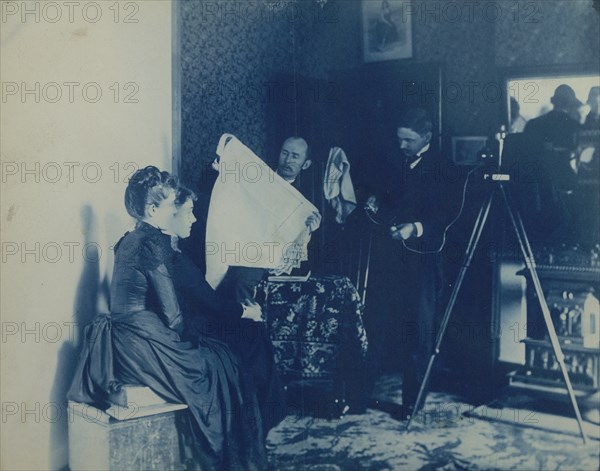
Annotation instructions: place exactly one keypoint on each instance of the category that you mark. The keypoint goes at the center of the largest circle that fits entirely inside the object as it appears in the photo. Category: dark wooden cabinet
(571, 282)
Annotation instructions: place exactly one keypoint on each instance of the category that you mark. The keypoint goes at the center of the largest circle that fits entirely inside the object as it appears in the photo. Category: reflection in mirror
(531, 97)
(554, 150)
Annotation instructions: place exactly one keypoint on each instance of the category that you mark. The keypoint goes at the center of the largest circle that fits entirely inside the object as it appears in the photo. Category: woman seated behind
(208, 313)
(140, 339)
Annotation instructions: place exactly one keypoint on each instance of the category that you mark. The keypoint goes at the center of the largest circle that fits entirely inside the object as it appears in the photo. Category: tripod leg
(471, 246)
(368, 265)
(517, 223)
(360, 250)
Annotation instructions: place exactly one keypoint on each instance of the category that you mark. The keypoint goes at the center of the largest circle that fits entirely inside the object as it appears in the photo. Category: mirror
(561, 155)
(529, 95)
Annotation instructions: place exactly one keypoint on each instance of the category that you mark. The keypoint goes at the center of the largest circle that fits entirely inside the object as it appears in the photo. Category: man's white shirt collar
(419, 156)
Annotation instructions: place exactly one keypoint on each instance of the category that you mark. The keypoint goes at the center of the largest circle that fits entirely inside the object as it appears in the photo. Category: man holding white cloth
(257, 220)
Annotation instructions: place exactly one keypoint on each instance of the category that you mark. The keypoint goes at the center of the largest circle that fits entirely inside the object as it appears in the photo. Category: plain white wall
(66, 154)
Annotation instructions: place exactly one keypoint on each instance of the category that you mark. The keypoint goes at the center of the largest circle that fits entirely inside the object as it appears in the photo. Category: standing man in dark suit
(406, 269)
(553, 139)
(557, 130)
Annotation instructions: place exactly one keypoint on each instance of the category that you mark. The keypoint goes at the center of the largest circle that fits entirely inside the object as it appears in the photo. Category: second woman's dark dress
(207, 313)
(140, 340)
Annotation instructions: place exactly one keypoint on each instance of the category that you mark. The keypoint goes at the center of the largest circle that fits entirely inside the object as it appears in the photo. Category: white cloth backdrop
(255, 218)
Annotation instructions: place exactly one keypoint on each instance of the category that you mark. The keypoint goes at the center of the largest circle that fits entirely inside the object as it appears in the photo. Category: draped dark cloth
(95, 378)
(140, 344)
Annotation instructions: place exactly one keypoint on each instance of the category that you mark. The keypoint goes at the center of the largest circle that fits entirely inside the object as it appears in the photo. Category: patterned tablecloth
(316, 327)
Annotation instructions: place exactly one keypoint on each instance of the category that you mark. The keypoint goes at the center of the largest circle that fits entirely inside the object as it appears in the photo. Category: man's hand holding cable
(403, 231)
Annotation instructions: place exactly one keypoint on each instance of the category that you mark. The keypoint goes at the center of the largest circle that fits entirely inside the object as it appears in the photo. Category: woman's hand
(252, 311)
(177, 325)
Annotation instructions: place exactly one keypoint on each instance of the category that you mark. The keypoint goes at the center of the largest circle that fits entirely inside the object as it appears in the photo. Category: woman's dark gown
(207, 313)
(139, 344)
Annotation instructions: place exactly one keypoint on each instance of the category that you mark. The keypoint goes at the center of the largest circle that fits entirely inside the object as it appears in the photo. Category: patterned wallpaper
(229, 53)
(470, 43)
(463, 48)
(232, 49)
(548, 33)
(330, 37)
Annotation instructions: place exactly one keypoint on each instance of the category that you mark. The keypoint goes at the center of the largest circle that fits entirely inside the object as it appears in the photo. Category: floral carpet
(446, 435)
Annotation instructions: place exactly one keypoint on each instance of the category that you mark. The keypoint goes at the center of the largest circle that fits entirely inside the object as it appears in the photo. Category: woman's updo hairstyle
(147, 186)
(184, 194)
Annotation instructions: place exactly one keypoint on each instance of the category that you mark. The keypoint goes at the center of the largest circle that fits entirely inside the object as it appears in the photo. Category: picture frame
(386, 30)
(466, 148)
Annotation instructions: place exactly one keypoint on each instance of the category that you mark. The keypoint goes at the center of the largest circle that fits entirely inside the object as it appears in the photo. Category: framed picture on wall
(466, 148)
(387, 30)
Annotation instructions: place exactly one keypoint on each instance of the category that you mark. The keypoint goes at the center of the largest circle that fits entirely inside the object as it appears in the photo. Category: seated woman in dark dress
(139, 342)
(239, 326)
